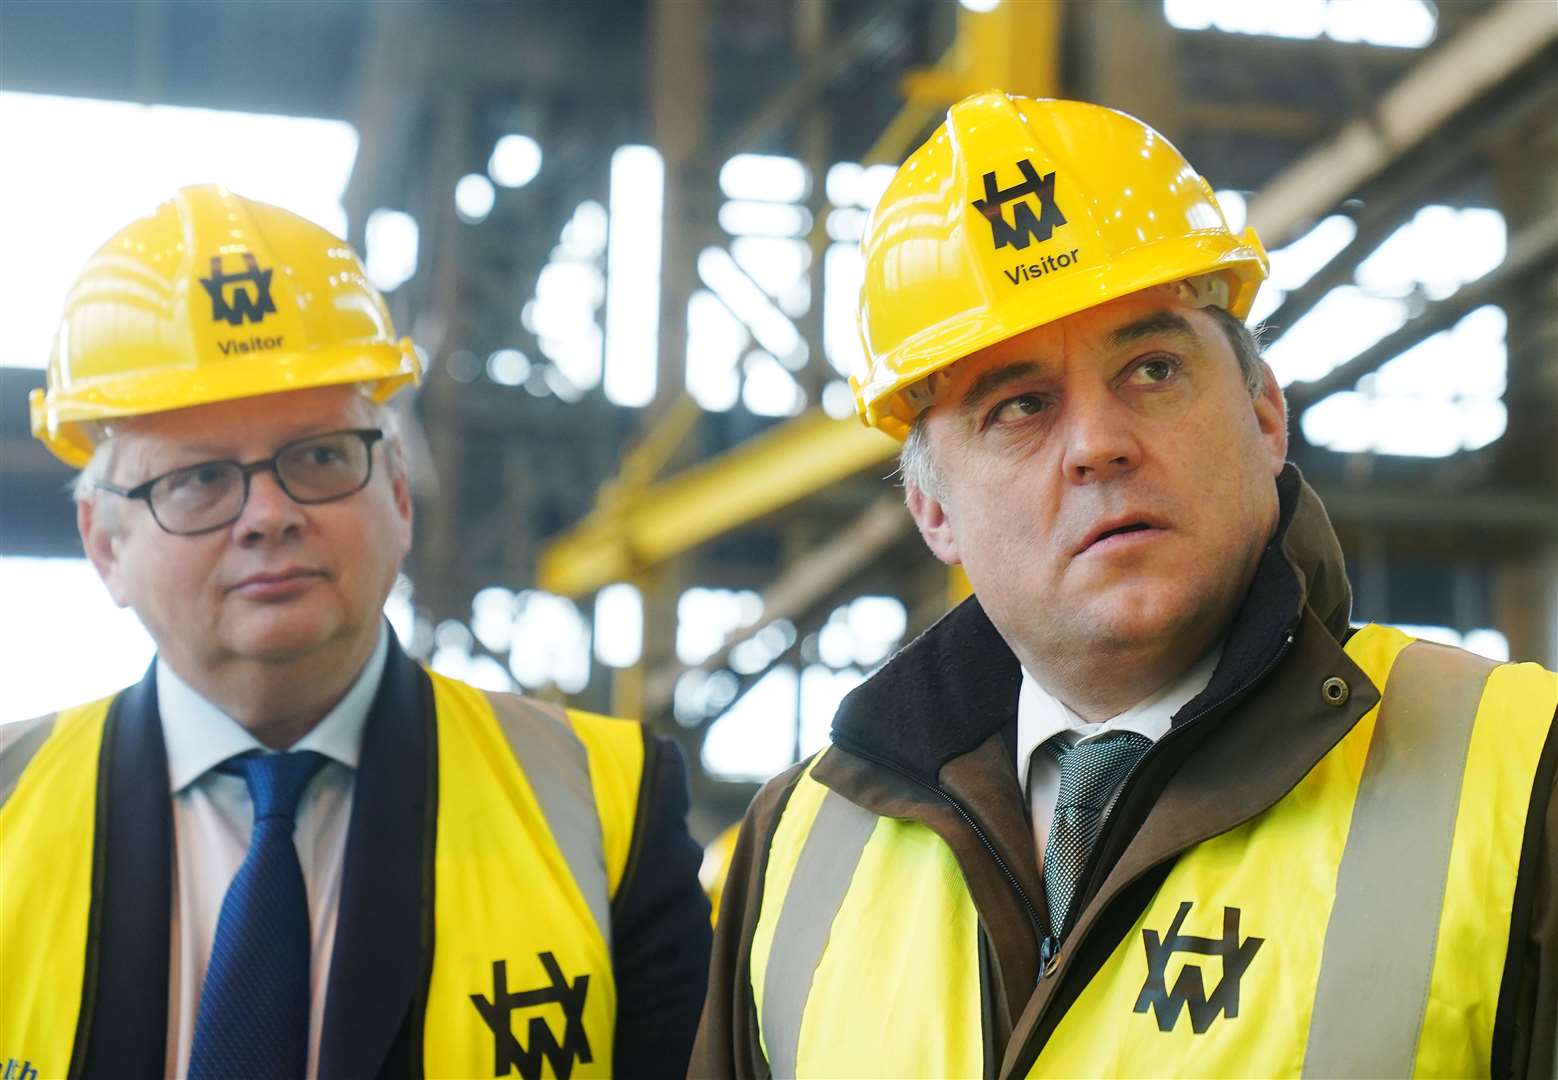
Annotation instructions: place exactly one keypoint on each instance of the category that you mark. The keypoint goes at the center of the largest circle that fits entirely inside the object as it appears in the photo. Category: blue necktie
(253, 1017)
(1090, 775)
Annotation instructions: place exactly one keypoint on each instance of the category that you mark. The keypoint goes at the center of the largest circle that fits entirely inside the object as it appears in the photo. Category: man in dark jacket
(1145, 804)
(290, 850)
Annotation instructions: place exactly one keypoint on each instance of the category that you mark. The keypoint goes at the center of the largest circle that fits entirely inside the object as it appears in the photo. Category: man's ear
(933, 518)
(1271, 416)
(400, 487)
(100, 540)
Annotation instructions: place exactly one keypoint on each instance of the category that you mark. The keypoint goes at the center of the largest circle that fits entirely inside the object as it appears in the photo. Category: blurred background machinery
(623, 232)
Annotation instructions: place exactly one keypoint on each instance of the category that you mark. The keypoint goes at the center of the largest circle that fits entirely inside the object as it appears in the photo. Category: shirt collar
(1041, 716)
(199, 736)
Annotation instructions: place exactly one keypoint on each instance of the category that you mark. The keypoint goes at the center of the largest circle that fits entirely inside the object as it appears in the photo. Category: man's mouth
(1109, 530)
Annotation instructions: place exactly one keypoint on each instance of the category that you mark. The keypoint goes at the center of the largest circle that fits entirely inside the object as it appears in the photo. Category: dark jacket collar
(956, 685)
(383, 936)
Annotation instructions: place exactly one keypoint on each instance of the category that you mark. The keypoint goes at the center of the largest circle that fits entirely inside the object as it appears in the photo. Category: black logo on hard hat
(540, 1044)
(230, 299)
(1026, 225)
(1190, 988)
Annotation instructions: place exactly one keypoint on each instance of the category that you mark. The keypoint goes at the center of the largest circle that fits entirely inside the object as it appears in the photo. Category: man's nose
(1101, 437)
(270, 513)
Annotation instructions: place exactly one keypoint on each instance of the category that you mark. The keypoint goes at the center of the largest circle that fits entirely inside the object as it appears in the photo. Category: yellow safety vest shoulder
(536, 810)
(1357, 927)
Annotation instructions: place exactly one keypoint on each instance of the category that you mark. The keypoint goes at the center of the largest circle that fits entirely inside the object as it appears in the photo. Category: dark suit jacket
(383, 957)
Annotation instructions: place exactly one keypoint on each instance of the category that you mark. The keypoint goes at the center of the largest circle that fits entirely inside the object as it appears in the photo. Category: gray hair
(917, 463)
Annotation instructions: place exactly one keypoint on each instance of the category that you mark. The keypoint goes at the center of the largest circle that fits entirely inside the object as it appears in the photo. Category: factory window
(788, 712)
(1441, 396)
(59, 210)
(1405, 24)
(52, 602)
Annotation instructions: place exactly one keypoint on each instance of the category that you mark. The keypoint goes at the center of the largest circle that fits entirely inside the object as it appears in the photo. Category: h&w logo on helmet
(1026, 225)
(508, 1053)
(230, 300)
(1190, 988)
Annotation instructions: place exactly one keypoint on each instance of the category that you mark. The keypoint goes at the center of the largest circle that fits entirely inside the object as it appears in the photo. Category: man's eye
(1159, 369)
(1016, 408)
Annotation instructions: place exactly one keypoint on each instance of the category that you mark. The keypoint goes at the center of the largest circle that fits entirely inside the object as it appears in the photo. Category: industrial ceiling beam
(1443, 83)
(757, 478)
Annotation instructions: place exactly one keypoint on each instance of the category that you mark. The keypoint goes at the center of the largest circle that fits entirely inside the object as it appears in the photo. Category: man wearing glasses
(290, 850)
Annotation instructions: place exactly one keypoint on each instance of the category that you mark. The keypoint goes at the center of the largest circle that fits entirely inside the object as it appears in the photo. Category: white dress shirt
(212, 817)
(1041, 717)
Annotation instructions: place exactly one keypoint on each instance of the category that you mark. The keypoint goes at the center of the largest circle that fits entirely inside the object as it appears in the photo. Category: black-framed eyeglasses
(205, 497)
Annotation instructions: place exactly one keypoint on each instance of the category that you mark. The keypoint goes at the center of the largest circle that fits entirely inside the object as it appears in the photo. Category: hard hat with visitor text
(212, 297)
(1018, 212)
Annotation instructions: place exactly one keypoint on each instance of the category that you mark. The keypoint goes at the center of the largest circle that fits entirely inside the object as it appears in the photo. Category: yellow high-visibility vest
(1357, 927)
(536, 811)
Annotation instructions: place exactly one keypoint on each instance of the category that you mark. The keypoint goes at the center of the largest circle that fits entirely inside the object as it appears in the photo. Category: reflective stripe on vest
(18, 743)
(557, 765)
(873, 972)
(1416, 760)
(1358, 926)
(536, 813)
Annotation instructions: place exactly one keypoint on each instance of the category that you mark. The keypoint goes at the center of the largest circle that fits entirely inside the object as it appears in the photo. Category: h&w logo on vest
(1190, 988)
(1026, 224)
(230, 300)
(540, 1043)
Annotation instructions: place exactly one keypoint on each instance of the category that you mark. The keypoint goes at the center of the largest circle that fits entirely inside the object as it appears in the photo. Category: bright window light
(584, 237)
(57, 612)
(764, 177)
(492, 618)
(1267, 301)
(619, 625)
(1235, 208)
(706, 617)
(1406, 24)
(980, 6)
(1438, 251)
(764, 219)
(637, 208)
(473, 198)
(515, 161)
(508, 367)
(570, 290)
(773, 262)
(843, 271)
(852, 185)
(391, 257)
(838, 401)
(1295, 264)
(1441, 397)
(57, 208)
(715, 340)
(1396, 23)
(769, 389)
(1346, 321)
(755, 738)
(551, 643)
(772, 329)
(822, 692)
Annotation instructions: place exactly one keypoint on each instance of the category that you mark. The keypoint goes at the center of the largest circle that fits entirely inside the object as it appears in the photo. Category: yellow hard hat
(1020, 211)
(208, 298)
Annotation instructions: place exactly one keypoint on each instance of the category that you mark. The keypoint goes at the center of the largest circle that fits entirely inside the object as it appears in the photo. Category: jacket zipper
(1039, 933)
(1098, 845)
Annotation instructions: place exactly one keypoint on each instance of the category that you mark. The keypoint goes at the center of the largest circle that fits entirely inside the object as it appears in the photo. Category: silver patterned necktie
(1090, 774)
